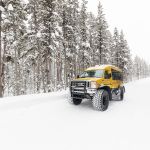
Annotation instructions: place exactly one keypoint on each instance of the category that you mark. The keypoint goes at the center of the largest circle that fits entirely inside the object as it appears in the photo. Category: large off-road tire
(122, 93)
(100, 100)
(74, 101)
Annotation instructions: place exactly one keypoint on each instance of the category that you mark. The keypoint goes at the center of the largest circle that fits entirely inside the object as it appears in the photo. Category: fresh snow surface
(49, 122)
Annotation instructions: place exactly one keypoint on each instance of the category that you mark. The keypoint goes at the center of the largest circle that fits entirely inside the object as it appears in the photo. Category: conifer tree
(115, 51)
(15, 30)
(101, 37)
(84, 45)
(46, 43)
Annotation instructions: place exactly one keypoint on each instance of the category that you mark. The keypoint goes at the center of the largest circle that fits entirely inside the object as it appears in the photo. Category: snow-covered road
(49, 122)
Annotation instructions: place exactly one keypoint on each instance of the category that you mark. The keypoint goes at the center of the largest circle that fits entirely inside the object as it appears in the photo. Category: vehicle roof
(105, 67)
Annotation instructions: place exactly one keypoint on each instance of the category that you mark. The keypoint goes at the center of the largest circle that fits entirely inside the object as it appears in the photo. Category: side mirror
(78, 76)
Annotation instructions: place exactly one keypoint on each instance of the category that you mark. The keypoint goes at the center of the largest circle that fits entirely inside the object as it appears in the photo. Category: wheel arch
(108, 89)
(123, 88)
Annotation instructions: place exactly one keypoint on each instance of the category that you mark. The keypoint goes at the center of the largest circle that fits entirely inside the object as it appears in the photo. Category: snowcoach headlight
(93, 85)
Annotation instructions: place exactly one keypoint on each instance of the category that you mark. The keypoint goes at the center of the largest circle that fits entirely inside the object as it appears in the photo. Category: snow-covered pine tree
(124, 57)
(34, 52)
(58, 41)
(59, 53)
(50, 44)
(64, 42)
(72, 34)
(101, 37)
(91, 24)
(141, 69)
(115, 50)
(144, 68)
(76, 39)
(2, 5)
(70, 28)
(110, 45)
(136, 67)
(14, 28)
(84, 44)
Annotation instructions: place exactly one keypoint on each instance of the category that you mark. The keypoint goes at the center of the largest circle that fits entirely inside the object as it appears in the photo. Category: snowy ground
(49, 122)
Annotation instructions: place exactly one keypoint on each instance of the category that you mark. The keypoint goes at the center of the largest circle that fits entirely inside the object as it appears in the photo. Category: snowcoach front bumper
(80, 90)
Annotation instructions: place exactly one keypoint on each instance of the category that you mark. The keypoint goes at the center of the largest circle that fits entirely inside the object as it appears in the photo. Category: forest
(44, 44)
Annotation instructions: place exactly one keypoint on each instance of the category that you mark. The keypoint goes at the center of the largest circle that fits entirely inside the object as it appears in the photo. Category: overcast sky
(133, 16)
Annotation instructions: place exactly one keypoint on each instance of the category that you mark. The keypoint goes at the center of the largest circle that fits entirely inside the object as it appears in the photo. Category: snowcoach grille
(78, 89)
(78, 86)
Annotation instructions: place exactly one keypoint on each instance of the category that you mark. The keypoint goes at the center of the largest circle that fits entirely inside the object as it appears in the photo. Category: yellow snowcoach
(100, 84)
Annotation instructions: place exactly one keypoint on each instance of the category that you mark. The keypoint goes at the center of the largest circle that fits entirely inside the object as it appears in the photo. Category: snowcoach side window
(116, 75)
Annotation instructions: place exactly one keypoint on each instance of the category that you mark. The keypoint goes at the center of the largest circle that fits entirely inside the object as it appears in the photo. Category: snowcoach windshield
(92, 74)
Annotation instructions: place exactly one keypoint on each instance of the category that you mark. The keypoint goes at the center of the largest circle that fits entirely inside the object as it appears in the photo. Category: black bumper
(80, 90)
(81, 95)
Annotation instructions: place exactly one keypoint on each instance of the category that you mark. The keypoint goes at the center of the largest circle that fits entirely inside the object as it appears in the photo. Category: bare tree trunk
(16, 61)
(61, 66)
(75, 66)
(58, 67)
(1, 84)
(16, 74)
(64, 47)
(3, 64)
(100, 49)
(39, 59)
(65, 68)
(55, 68)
